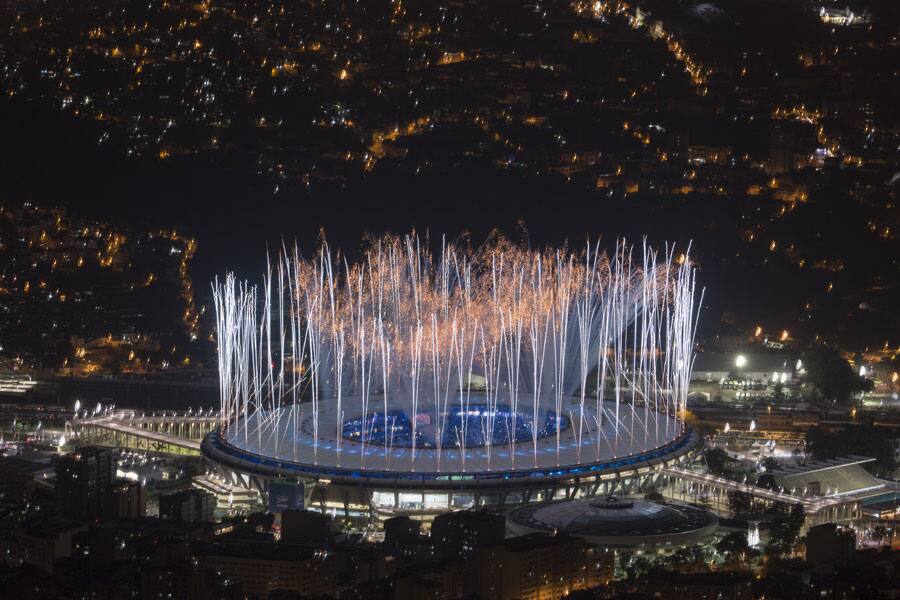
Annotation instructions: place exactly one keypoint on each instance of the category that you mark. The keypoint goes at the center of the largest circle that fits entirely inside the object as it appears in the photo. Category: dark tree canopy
(734, 544)
(785, 528)
(832, 376)
(717, 460)
(740, 502)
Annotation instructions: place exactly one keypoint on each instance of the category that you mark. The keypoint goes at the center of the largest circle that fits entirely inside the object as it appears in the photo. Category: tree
(832, 376)
(717, 460)
(689, 559)
(740, 502)
(785, 527)
(734, 545)
(880, 532)
(637, 567)
(795, 519)
(770, 463)
(778, 394)
(767, 481)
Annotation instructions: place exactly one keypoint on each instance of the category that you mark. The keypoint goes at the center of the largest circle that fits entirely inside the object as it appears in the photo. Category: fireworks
(500, 357)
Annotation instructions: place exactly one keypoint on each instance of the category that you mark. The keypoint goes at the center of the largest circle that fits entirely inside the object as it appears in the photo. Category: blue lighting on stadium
(475, 424)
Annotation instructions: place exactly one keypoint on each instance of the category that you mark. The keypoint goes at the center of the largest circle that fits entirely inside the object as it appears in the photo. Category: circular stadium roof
(290, 448)
(615, 521)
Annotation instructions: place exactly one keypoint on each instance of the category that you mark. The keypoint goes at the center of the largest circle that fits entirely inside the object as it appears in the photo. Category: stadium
(417, 382)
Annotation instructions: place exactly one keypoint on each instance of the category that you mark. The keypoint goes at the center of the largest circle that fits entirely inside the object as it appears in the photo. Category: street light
(740, 361)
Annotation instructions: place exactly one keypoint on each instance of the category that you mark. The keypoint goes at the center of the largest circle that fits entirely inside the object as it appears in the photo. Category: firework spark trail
(484, 347)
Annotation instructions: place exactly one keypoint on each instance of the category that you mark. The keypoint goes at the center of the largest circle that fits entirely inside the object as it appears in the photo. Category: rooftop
(843, 475)
(615, 521)
(533, 541)
(261, 549)
(24, 466)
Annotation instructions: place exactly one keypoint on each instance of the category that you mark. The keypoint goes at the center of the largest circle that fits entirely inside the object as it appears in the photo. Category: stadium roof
(838, 476)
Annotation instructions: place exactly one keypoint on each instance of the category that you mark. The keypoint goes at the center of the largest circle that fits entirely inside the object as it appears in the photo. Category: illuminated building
(844, 18)
(410, 383)
(129, 500)
(541, 567)
(190, 506)
(84, 483)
